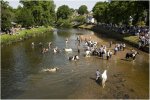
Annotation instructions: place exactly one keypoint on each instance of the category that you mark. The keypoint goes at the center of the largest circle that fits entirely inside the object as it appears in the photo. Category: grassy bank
(130, 39)
(23, 35)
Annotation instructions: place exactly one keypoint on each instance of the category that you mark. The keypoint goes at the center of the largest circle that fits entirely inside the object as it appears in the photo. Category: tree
(43, 12)
(80, 19)
(63, 12)
(25, 18)
(82, 10)
(141, 9)
(120, 11)
(99, 11)
(6, 16)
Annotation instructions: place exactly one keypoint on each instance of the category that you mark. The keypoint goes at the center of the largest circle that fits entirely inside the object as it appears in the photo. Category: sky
(75, 4)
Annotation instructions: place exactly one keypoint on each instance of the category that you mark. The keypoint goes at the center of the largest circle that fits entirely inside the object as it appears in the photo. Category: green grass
(133, 39)
(23, 34)
(86, 26)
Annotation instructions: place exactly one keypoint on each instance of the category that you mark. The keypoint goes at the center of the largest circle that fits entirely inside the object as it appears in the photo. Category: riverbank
(23, 35)
(127, 38)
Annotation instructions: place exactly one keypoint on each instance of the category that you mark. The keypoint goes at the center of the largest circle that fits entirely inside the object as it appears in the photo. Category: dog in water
(50, 69)
(74, 58)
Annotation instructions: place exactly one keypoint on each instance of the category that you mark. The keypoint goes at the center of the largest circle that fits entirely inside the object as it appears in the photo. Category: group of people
(102, 52)
(134, 30)
(45, 49)
(143, 39)
(119, 47)
(92, 49)
(141, 32)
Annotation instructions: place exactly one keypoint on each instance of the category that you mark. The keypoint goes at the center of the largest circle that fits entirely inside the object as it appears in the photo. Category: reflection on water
(22, 77)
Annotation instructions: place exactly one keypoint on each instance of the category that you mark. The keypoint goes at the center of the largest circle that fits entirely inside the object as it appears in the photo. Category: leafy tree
(80, 19)
(43, 12)
(82, 10)
(6, 16)
(141, 11)
(64, 23)
(63, 12)
(99, 11)
(25, 18)
(72, 11)
(120, 11)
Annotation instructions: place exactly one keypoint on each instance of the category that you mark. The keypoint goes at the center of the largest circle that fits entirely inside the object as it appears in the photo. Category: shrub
(64, 23)
(141, 23)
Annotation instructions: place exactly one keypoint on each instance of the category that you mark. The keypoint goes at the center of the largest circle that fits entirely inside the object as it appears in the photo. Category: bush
(23, 34)
(141, 23)
(80, 19)
(64, 23)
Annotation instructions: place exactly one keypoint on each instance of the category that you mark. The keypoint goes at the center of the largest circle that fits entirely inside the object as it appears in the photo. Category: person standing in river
(66, 40)
(115, 50)
(108, 54)
(98, 74)
(124, 45)
(78, 47)
(110, 44)
(32, 44)
(49, 44)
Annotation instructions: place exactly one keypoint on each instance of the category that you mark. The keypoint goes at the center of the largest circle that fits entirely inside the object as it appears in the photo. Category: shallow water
(22, 75)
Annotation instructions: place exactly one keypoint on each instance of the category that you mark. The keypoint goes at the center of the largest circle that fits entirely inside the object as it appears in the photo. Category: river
(22, 76)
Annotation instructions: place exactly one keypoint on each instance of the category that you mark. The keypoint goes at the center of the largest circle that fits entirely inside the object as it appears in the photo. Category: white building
(90, 20)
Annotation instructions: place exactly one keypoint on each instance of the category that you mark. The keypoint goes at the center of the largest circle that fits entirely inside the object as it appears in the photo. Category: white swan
(104, 78)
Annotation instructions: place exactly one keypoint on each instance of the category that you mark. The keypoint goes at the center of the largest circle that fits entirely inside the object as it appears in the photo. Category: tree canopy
(38, 13)
(6, 16)
(43, 12)
(82, 10)
(24, 17)
(121, 12)
(63, 12)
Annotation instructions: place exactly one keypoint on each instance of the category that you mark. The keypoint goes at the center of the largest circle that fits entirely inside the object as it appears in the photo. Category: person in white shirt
(108, 54)
(115, 50)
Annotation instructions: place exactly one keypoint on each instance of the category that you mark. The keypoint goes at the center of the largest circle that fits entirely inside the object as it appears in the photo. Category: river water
(22, 76)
